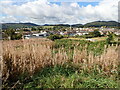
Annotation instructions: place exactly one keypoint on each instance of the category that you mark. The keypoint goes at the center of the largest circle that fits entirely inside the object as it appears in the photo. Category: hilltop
(17, 25)
(91, 24)
(102, 23)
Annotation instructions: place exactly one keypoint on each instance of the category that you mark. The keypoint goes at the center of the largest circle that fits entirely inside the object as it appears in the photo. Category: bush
(10, 33)
(111, 38)
(96, 33)
(53, 37)
(16, 37)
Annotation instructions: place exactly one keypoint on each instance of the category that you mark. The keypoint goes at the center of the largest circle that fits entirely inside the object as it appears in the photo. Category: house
(70, 33)
(81, 32)
(117, 33)
(27, 36)
(78, 33)
(61, 33)
(36, 35)
(92, 40)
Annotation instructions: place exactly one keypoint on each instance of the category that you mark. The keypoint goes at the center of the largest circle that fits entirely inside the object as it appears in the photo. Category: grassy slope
(69, 77)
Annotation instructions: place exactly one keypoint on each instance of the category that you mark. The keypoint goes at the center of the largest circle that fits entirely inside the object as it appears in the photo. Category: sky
(58, 11)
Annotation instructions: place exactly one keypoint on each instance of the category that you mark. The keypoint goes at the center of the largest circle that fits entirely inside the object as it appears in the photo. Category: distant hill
(102, 23)
(91, 24)
(67, 25)
(77, 25)
(17, 25)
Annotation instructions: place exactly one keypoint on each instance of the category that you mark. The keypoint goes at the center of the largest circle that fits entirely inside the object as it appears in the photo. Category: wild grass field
(41, 63)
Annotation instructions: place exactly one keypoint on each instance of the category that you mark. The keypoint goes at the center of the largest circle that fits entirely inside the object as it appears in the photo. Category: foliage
(102, 23)
(34, 29)
(57, 27)
(10, 33)
(95, 33)
(17, 25)
(111, 38)
(69, 45)
(67, 77)
(54, 37)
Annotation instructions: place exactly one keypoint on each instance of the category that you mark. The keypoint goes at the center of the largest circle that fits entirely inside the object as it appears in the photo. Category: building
(42, 34)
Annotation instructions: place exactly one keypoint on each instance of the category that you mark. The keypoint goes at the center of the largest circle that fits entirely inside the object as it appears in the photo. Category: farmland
(63, 63)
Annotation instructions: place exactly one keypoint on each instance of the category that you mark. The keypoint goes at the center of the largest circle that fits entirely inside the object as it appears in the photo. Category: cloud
(42, 11)
(74, 0)
(9, 19)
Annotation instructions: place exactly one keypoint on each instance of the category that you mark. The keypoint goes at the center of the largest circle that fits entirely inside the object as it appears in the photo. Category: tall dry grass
(107, 62)
(32, 55)
(29, 56)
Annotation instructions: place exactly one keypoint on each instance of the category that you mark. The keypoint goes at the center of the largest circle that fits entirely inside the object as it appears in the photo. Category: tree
(110, 37)
(10, 34)
(95, 33)
(53, 37)
(33, 29)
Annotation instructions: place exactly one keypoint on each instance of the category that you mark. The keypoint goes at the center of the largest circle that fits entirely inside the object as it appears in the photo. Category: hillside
(102, 23)
(17, 25)
(66, 25)
(77, 25)
(91, 24)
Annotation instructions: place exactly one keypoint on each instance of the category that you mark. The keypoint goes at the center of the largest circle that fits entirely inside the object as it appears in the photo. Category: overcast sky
(58, 11)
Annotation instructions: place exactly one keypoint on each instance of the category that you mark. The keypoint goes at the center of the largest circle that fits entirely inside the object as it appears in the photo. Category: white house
(27, 36)
(92, 40)
(61, 33)
(37, 34)
(78, 33)
(117, 33)
(42, 33)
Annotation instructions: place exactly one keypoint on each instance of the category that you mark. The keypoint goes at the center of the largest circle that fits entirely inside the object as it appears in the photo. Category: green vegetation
(10, 34)
(92, 24)
(62, 62)
(47, 66)
(17, 25)
(95, 47)
(53, 37)
(66, 76)
(96, 33)
(69, 77)
(112, 39)
(102, 23)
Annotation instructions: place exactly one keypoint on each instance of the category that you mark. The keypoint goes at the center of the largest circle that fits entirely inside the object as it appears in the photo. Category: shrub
(10, 33)
(96, 33)
(54, 37)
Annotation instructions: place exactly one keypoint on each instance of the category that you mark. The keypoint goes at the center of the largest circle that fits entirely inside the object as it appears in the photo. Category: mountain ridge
(90, 24)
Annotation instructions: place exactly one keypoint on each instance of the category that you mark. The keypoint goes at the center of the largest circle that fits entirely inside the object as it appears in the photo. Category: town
(46, 31)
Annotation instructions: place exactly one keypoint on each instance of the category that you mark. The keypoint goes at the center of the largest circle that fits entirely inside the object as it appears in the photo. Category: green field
(47, 27)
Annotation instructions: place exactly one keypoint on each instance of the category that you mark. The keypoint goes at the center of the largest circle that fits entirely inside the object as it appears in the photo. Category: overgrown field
(41, 63)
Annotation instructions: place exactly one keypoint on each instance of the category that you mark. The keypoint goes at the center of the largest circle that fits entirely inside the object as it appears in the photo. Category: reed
(107, 62)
